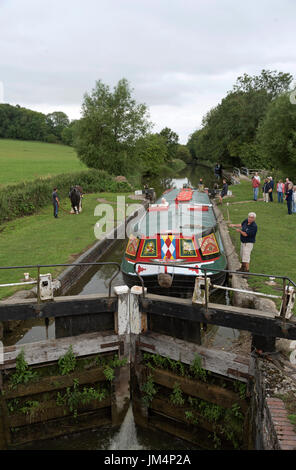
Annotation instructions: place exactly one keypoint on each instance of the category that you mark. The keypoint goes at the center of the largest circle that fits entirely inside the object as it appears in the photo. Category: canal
(96, 280)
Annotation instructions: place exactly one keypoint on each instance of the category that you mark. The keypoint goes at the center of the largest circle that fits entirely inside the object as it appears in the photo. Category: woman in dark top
(289, 198)
(224, 191)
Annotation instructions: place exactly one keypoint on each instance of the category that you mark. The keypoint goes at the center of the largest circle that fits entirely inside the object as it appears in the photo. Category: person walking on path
(271, 186)
(248, 230)
(224, 191)
(289, 198)
(255, 186)
(265, 190)
(280, 188)
(56, 202)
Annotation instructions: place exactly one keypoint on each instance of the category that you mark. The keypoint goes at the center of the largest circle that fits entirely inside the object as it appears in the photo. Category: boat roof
(188, 217)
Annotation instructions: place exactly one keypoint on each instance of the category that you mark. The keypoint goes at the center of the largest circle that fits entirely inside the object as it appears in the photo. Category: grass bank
(26, 160)
(274, 251)
(42, 239)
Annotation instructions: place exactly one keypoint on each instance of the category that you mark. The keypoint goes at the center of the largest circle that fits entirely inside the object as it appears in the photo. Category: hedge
(26, 198)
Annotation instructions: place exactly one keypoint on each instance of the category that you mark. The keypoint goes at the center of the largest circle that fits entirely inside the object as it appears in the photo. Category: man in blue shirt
(248, 230)
(56, 203)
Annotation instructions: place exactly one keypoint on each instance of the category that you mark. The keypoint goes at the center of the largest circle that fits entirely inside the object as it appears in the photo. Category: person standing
(265, 190)
(294, 200)
(248, 230)
(255, 185)
(56, 202)
(287, 184)
(217, 170)
(280, 188)
(271, 186)
(289, 198)
(201, 186)
(224, 190)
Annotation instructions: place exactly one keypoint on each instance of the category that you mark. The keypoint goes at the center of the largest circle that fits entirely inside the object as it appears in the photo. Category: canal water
(129, 437)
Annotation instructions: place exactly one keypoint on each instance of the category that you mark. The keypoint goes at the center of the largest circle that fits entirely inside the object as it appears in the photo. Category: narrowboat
(173, 242)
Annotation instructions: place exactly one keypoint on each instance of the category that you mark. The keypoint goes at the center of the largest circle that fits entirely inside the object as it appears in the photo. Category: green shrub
(26, 198)
(23, 374)
(67, 363)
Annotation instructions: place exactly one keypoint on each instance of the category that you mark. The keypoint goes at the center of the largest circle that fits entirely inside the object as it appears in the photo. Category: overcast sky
(180, 56)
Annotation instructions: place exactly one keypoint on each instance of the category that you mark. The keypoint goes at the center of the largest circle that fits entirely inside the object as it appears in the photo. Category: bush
(26, 198)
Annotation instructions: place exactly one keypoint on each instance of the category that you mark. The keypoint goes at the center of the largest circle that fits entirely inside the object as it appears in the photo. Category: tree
(57, 122)
(184, 154)
(230, 127)
(150, 154)
(68, 133)
(273, 82)
(111, 124)
(171, 139)
(276, 137)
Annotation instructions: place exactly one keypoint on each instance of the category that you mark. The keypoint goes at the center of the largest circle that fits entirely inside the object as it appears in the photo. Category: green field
(42, 239)
(26, 160)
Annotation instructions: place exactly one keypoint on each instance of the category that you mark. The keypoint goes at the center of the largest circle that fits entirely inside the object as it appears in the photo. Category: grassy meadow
(26, 160)
(42, 239)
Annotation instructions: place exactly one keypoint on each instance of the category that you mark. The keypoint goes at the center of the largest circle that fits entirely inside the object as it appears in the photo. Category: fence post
(121, 388)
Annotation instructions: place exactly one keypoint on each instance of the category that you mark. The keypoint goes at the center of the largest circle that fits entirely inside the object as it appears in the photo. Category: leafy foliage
(23, 374)
(109, 365)
(67, 363)
(111, 123)
(176, 396)
(17, 122)
(276, 136)
(229, 131)
(149, 390)
(26, 198)
(74, 397)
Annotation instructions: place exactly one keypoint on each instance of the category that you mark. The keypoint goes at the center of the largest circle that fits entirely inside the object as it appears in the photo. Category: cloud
(180, 57)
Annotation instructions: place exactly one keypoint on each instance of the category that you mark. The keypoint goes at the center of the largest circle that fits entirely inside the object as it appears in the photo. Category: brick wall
(271, 428)
(283, 429)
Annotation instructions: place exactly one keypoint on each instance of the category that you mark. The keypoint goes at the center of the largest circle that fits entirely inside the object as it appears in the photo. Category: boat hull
(182, 285)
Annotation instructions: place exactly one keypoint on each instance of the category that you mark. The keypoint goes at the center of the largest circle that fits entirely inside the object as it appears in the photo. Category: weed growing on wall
(23, 374)
(176, 396)
(109, 365)
(67, 363)
(149, 390)
(73, 398)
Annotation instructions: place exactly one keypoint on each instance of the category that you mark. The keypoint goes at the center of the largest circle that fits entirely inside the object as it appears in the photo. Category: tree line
(253, 126)
(21, 123)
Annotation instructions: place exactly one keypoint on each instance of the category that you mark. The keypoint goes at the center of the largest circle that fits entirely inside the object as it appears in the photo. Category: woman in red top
(255, 185)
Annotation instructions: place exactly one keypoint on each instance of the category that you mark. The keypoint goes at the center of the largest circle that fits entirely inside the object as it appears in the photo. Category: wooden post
(138, 325)
(121, 388)
(4, 429)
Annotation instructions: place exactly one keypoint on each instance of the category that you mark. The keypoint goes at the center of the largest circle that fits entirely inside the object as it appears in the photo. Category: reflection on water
(189, 175)
(30, 331)
(97, 279)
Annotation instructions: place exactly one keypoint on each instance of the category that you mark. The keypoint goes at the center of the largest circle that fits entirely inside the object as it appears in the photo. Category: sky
(181, 57)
